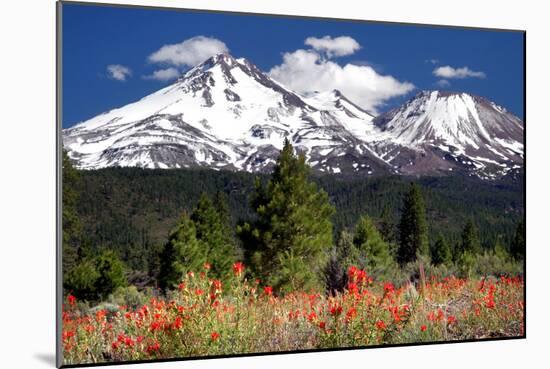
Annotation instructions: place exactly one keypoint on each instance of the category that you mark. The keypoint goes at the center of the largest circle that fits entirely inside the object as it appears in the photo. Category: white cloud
(164, 74)
(450, 72)
(443, 83)
(189, 52)
(338, 46)
(432, 61)
(307, 71)
(118, 72)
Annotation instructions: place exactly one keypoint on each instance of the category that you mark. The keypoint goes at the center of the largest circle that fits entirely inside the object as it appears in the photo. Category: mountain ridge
(225, 113)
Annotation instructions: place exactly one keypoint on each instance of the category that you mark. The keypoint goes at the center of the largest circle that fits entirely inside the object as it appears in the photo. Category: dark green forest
(132, 212)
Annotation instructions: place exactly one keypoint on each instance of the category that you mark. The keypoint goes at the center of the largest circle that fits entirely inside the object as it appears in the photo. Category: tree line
(289, 241)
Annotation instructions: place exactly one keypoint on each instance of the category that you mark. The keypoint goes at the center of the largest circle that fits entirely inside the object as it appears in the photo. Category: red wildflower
(335, 309)
(178, 323)
(199, 292)
(389, 287)
(181, 286)
(361, 276)
(423, 328)
(214, 336)
(71, 299)
(268, 290)
(217, 285)
(351, 272)
(451, 319)
(381, 325)
(322, 325)
(352, 288)
(238, 268)
(207, 266)
(156, 325)
(129, 342)
(350, 314)
(312, 316)
(151, 349)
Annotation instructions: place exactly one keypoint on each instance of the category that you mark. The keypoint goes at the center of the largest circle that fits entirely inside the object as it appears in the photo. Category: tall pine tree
(373, 250)
(71, 224)
(470, 239)
(214, 232)
(413, 229)
(387, 226)
(182, 253)
(288, 245)
(517, 248)
(441, 252)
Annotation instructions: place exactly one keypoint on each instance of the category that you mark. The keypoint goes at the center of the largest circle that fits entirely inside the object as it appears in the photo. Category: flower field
(204, 317)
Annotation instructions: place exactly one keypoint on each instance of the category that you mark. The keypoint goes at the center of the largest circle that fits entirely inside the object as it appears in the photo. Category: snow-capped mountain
(227, 114)
(438, 131)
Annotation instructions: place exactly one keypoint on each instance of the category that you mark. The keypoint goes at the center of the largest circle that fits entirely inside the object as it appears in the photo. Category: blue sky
(106, 54)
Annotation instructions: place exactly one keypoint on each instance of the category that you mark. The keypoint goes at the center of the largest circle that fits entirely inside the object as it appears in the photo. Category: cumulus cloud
(189, 52)
(118, 72)
(338, 46)
(450, 72)
(306, 71)
(163, 74)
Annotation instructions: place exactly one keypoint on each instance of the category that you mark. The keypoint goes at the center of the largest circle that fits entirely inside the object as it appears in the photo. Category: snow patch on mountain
(227, 114)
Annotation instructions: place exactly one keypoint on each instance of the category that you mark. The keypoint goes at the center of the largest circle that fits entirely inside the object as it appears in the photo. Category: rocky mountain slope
(227, 114)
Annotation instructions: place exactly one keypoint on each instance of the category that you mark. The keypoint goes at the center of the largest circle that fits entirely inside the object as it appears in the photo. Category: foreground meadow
(206, 317)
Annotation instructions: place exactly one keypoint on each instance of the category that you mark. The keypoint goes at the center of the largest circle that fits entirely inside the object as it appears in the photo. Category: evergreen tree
(517, 248)
(344, 255)
(182, 253)
(470, 239)
(347, 253)
(499, 251)
(441, 252)
(413, 229)
(214, 232)
(288, 246)
(81, 280)
(111, 273)
(387, 226)
(335, 275)
(373, 250)
(71, 224)
(94, 278)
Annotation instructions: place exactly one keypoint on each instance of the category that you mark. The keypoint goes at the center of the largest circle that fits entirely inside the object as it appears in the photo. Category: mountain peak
(225, 113)
(221, 58)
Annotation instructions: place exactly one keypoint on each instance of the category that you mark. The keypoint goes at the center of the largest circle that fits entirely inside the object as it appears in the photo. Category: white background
(27, 182)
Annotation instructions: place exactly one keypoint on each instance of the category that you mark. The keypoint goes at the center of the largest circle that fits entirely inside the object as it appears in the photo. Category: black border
(58, 151)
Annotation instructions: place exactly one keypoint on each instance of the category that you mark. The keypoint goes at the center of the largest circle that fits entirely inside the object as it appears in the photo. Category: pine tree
(373, 250)
(94, 278)
(111, 272)
(71, 224)
(288, 246)
(441, 252)
(387, 226)
(215, 234)
(517, 248)
(499, 251)
(182, 253)
(346, 251)
(335, 275)
(470, 239)
(413, 229)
